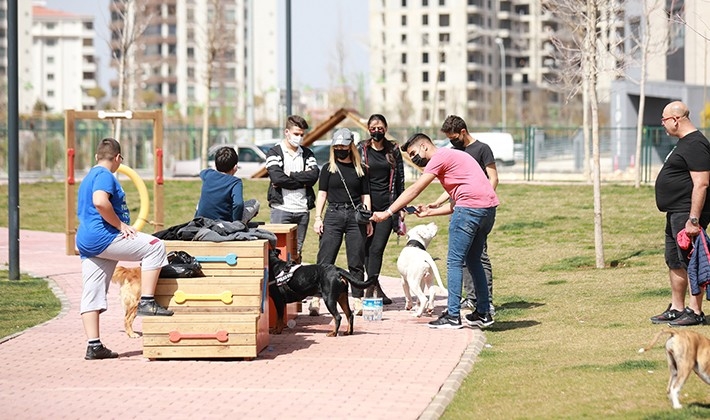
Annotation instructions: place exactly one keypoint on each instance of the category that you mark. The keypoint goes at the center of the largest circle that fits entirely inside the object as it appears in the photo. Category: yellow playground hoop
(142, 193)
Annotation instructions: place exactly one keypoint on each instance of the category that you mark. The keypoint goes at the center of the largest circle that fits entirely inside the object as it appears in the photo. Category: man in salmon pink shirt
(473, 208)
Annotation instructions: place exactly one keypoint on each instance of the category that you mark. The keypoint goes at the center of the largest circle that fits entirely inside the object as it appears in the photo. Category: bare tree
(646, 43)
(217, 43)
(133, 19)
(582, 46)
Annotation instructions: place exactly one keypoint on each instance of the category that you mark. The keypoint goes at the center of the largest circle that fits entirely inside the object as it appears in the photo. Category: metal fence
(541, 153)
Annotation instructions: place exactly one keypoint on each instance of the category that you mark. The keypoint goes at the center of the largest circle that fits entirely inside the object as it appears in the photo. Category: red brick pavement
(396, 368)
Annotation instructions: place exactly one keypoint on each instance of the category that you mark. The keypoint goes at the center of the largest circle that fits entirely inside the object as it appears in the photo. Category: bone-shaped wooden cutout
(221, 336)
(230, 259)
(181, 297)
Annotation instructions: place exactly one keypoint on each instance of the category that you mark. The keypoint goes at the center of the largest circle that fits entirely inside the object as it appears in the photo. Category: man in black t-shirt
(681, 192)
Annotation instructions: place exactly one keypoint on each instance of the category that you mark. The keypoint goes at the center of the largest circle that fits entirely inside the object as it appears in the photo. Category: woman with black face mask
(344, 184)
(384, 165)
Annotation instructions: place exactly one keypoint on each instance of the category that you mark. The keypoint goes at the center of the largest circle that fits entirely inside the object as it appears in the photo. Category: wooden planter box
(223, 315)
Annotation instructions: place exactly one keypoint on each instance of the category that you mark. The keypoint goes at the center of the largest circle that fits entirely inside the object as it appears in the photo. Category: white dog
(418, 268)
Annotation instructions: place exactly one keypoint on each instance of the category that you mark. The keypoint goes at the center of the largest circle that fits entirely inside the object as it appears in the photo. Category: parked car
(251, 159)
(501, 145)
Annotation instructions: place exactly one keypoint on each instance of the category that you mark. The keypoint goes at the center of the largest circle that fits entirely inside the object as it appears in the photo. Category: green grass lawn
(25, 303)
(566, 336)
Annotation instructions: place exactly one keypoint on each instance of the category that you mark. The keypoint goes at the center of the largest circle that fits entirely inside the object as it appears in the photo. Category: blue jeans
(468, 231)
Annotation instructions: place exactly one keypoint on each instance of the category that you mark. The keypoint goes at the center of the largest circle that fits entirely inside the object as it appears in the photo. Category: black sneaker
(99, 352)
(667, 316)
(151, 307)
(688, 318)
(476, 319)
(446, 321)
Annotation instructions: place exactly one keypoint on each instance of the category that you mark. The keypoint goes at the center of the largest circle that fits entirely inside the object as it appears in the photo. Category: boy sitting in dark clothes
(221, 197)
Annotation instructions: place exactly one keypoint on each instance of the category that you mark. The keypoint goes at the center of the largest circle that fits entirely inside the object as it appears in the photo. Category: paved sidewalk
(396, 368)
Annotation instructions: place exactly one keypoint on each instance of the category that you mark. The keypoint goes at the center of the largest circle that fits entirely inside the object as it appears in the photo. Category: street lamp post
(504, 107)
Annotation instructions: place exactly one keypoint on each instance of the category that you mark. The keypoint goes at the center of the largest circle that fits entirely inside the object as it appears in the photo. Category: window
(425, 58)
(425, 3)
(404, 3)
(425, 95)
(425, 39)
(88, 42)
(444, 20)
(425, 20)
(50, 60)
(50, 25)
(442, 2)
(87, 75)
(50, 42)
(442, 76)
(444, 38)
(50, 94)
(442, 57)
(404, 58)
(50, 76)
(404, 20)
(190, 52)
(191, 92)
(89, 25)
(404, 76)
(403, 39)
(190, 72)
(425, 76)
(442, 95)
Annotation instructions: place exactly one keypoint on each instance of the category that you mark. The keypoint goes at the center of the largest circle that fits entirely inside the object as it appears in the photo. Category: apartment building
(63, 70)
(431, 58)
(178, 45)
(24, 18)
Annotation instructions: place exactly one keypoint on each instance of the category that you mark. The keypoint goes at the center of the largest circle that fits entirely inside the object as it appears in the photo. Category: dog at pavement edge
(418, 268)
(686, 351)
(292, 283)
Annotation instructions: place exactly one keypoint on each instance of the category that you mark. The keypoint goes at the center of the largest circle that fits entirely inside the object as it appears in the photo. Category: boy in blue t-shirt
(103, 238)
(221, 197)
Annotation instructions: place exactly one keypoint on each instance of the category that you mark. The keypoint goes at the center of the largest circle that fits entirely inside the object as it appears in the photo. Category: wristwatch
(693, 220)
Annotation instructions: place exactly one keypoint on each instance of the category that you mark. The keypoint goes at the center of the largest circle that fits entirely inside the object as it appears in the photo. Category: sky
(315, 27)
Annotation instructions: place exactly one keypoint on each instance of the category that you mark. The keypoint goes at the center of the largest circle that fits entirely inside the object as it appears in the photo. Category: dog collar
(416, 244)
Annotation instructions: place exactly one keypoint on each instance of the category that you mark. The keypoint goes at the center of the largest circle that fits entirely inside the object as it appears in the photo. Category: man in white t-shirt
(293, 171)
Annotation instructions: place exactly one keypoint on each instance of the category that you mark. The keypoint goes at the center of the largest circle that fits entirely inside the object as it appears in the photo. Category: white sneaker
(314, 307)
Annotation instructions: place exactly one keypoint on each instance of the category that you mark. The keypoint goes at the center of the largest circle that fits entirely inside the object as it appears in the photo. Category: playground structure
(156, 116)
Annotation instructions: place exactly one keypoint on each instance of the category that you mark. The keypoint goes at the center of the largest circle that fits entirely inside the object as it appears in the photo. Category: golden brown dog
(129, 278)
(686, 351)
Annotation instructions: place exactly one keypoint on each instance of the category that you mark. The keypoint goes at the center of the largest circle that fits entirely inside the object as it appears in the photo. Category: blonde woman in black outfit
(339, 219)
(384, 165)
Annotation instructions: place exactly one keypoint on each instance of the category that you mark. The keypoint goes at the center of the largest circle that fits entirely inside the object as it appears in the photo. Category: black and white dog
(292, 283)
(418, 268)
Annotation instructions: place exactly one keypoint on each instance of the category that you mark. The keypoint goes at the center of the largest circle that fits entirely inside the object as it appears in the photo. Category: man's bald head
(676, 109)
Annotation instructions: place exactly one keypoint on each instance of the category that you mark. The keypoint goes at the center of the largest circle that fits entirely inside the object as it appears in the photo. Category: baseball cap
(342, 137)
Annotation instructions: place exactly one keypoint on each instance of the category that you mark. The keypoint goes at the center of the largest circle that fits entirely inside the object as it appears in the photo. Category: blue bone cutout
(230, 259)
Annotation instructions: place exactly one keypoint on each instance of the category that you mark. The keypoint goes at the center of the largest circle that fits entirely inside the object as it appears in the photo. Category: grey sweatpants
(96, 271)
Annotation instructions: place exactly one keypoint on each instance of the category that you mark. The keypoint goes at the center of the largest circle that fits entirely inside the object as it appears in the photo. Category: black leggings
(375, 247)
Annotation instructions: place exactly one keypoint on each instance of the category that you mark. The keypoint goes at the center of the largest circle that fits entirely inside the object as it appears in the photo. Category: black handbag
(362, 213)
(181, 265)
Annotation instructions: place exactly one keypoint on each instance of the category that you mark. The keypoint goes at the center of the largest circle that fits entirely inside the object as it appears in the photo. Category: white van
(501, 145)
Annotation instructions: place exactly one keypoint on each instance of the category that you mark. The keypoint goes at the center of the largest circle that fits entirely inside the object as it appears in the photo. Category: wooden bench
(222, 315)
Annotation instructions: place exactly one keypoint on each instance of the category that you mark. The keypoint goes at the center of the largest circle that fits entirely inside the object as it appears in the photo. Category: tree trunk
(590, 61)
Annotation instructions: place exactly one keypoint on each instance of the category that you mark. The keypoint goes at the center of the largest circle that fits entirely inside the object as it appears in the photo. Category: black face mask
(377, 135)
(341, 154)
(457, 144)
(419, 161)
